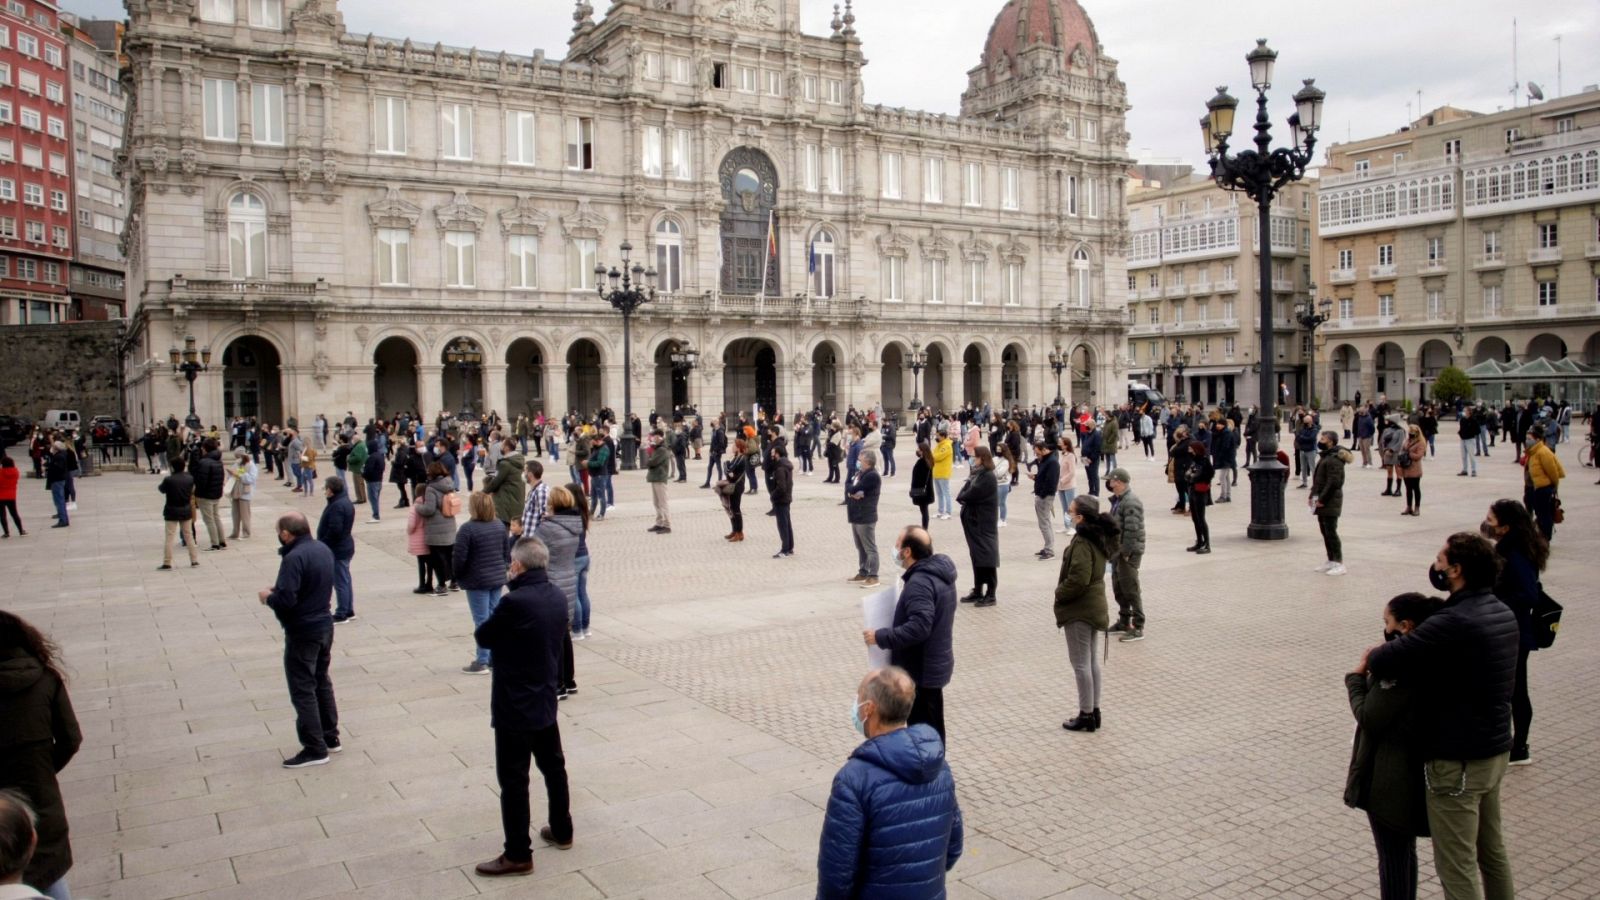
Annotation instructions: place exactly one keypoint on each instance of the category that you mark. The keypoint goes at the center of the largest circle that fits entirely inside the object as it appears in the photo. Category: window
(1177, 312)
(1363, 166)
(1452, 150)
(891, 176)
(58, 201)
(31, 119)
(1010, 188)
(519, 138)
(1227, 272)
(56, 128)
(719, 75)
(652, 151)
(1091, 130)
(1564, 125)
(746, 79)
(1547, 293)
(8, 229)
(936, 280)
(1155, 314)
(1072, 195)
(894, 278)
(972, 184)
(28, 81)
(455, 131)
(524, 269)
(54, 92)
(27, 269)
(5, 73)
(27, 45)
(582, 256)
(1347, 309)
(682, 154)
(32, 157)
(822, 263)
(1011, 285)
(221, 118)
(8, 189)
(1435, 249)
(5, 36)
(217, 11)
(1549, 233)
(1513, 134)
(1493, 300)
(394, 256)
(58, 235)
(1436, 304)
(1081, 277)
(1228, 347)
(669, 256)
(1491, 243)
(52, 55)
(975, 276)
(1386, 306)
(811, 167)
(266, 113)
(460, 259)
(247, 236)
(652, 66)
(835, 92)
(8, 150)
(1091, 206)
(1347, 259)
(580, 143)
(774, 83)
(33, 195)
(808, 88)
(266, 13)
(678, 69)
(1385, 254)
(932, 180)
(1305, 240)
(389, 126)
(835, 169)
(1227, 310)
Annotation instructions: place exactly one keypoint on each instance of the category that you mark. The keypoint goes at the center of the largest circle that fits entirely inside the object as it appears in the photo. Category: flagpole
(766, 262)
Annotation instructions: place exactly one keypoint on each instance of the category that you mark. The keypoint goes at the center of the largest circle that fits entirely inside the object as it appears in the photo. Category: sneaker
(984, 601)
(561, 693)
(1324, 567)
(547, 835)
(1336, 569)
(422, 589)
(441, 592)
(1133, 634)
(335, 747)
(340, 620)
(373, 521)
(869, 583)
(1118, 627)
(1003, 523)
(476, 668)
(305, 758)
(856, 579)
(1520, 758)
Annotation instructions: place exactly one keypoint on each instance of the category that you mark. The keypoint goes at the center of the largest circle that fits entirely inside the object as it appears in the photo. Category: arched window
(821, 263)
(247, 236)
(1081, 281)
(669, 256)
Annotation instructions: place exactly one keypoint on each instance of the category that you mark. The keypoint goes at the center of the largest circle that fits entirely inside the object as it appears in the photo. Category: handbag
(1560, 514)
(1546, 620)
(726, 488)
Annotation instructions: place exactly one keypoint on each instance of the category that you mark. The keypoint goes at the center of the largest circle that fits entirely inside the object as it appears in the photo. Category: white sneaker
(1335, 569)
(1003, 523)
(1324, 567)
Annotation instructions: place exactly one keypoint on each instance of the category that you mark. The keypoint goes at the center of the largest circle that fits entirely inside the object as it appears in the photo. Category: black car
(108, 430)
(14, 430)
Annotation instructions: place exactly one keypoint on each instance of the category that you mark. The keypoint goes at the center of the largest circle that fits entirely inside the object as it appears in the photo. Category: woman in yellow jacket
(1543, 481)
(943, 467)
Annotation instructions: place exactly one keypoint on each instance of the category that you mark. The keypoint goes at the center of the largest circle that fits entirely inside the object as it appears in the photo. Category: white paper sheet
(877, 611)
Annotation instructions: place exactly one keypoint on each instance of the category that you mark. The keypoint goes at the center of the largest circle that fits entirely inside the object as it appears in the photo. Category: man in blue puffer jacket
(893, 827)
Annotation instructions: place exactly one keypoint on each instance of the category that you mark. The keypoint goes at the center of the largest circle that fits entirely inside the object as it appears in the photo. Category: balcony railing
(1544, 255)
(1382, 271)
(1432, 267)
(1494, 260)
(242, 287)
(1341, 276)
(1592, 251)
(1283, 285)
(1176, 290)
(1200, 288)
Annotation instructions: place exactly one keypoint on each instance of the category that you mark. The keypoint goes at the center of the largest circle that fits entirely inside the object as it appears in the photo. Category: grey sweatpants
(1045, 509)
(1085, 663)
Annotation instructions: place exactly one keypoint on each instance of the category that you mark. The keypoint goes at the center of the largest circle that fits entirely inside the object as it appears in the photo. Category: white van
(61, 420)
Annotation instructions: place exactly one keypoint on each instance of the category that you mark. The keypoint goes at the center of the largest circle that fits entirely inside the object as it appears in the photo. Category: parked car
(108, 430)
(62, 420)
(14, 430)
(1143, 397)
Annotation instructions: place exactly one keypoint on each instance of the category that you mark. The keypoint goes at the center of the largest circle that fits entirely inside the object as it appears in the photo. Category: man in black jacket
(524, 635)
(300, 601)
(1464, 658)
(208, 479)
(920, 640)
(719, 446)
(861, 511)
(334, 531)
(1046, 477)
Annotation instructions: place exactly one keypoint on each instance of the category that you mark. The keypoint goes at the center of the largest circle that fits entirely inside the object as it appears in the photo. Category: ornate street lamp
(465, 356)
(1311, 317)
(918, 362)
(1059, 362)
(191, 362)
(1180, 361)
(1260, 173)
(631, 288)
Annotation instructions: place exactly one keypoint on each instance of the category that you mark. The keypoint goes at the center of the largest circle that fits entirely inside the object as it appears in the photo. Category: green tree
(1451, 385)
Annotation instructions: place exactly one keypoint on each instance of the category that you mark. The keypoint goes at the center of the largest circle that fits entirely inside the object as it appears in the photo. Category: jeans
(1067, 496)
(58, 493)
(1085, 663)
(1125, 589)
(513, 750)
(597, 494)
(866, 539)
(1468, 461)
(305, 665)
(58, 890)
(482, 603)
(343, 590)
(1330, 538)
(785, 528)
(581, 604)
(374, 488)
(1044, 508)
(941, 490)
(888, 460)
(294, 470)
(1308, 464)
(1003, 492)
(1464, 815)
(713, 467)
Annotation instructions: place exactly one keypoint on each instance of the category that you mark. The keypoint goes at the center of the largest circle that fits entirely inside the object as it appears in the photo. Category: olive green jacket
(1081, 586)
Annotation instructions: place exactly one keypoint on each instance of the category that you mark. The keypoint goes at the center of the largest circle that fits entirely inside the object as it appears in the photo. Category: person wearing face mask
(1385, 777)
(1523, 553)
(1327, 498)
(1463, 660)
(1198, 473)
(1080, 603)
(920, 637)
(300, 599)
(893, 826)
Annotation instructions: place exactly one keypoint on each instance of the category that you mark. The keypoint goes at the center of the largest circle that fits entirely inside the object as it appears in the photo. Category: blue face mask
(856, 721)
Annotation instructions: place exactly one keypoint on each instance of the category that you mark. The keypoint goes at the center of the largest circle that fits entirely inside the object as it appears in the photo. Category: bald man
(300, 599)
(920, 638)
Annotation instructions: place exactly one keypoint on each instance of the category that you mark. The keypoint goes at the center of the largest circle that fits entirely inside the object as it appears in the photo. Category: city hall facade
(343, 218)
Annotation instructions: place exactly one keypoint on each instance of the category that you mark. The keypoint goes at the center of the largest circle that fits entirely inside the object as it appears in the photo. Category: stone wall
(67, 366)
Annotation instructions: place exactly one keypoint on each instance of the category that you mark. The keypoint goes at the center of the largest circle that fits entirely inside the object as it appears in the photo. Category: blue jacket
(920, 639)
(333, 529)
(1305, 439)
(301, 597)
(893, 826)
(479, 559)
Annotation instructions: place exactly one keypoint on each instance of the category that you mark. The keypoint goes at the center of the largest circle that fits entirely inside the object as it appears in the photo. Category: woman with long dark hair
(1523, 553)
(1080, 603)
(39, 738)
(922, 480)
(979, 499)
(1198, 473)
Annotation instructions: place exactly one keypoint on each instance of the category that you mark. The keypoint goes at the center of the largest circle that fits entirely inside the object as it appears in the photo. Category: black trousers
(513, 750)
(1413, 492)
(785, 528)
(1330, 538)
(1197, 515)
(924, 508)
(1149, 446)
(928, 709)
(9, 506)
(569, 668)
(833, 472)
(735, 512)
(305, 667)
(424, 572)
(713, 467)
(1521, 705)
(441, 560)
(1397, 862)
(683, 466)
(404, 500)
(1092, 469)
(805, 461)
(985, 577)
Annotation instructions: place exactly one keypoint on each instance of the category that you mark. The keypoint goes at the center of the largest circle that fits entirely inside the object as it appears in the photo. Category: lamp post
(465, 356)
(191, 361)
(919, 361)
(1311, 313)
(684, 359)
(1059, 362)
(631, 288)
(1180, 361)
(1260, 173)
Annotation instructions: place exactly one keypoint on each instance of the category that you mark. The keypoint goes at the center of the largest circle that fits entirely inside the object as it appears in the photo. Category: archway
(583, 377)
(1389, 364)
(1011, 376)
(749, 376)
(1591, 350)
(524, 378)
(462, 377)
(1082, 375)
(933, 378)
(252, 385)
(892, 386)
(750, 225)
(972, 375)
(1345, 364)
(1548, 346)
(825, 378)
(1492, 348)
(394, 377)
(672, 382)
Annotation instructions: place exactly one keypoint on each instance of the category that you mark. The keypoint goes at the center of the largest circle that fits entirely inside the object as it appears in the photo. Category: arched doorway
(583, 377)
(825, 378)
(1389, 365)
(972, 375)
(394, 377)
(1548, 346)
(1345, 364)
(933, 378)
(251, 382)
(892, 386)
(1491, 348)
(672, 381)
(749, 376)
(1082, 375)
(1011, 376)
(462, 376)
(524, 378)
(750, 225)
(1591, 350)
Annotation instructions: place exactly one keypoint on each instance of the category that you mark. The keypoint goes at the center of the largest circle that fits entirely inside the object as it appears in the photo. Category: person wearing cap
(1046, 476)
(1127, 510)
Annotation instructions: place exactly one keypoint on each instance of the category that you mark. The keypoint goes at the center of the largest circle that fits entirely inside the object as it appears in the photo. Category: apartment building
(98, 101)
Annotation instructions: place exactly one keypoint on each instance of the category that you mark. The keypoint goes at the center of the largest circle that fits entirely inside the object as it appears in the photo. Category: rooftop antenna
(1516, 83)
(1558, 66)
(1535, 93)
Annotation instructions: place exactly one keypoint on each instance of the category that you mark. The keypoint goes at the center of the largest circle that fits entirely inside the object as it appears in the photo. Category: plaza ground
(714, 701)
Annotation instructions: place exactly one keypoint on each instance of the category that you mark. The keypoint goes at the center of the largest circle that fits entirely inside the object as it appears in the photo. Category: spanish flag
(772, 237)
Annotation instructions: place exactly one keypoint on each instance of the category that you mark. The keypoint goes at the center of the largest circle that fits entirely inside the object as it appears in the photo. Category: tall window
(1347, 308)
(682, 154)
(652, 151)
(1010, 188)
(460, 259)
(1436, 304)
(1386, 306)
(835, 170)
(266, 113)
(975, 276)
(580, 143)
(811, 164)
(1491, 243)
(972, 184)
(1347, 259)
(1083, 284)
(1072, 195)
(894, 278)
(520, 138)
(822, 264)
(524, 268)
(247, 236)
(1011, 285)
(933, 180)
(455, 131)
(582, 254)
(936, 280)
(221, 115)
(266, 13)
(1549, 236)
(217, 11)
(669, 256)
(1547, 293)
(1435, 249)
(394, 256)
(1091, 205)
(1385, 254)
(389, 125)
(891, 176)
(1493, 300)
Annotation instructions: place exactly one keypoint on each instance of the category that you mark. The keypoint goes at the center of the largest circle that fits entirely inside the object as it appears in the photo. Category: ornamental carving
(935, 246)
(302, 170)
(460, 215)
(747, 13)
(321, 368)
(363, 334)
(893, 243)
(524, 218)
(976, 250)
(584, 222)
(393, 212)
(1014, 252)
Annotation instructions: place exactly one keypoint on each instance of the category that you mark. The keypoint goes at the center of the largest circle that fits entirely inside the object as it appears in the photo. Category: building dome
(1025, 23)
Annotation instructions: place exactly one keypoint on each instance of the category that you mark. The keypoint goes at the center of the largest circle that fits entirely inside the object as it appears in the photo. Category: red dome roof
(1023, 23)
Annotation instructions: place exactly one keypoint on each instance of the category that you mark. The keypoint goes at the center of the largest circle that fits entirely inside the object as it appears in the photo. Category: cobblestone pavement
(713, 702)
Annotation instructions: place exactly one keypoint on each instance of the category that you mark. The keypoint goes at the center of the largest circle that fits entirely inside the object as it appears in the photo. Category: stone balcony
(1432, 267)
(1538, 255)
(1341, 276)
(1383, 272)
(1495, 260)
(247, 291)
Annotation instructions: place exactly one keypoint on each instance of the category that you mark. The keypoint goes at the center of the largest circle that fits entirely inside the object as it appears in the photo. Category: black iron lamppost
(1311, 314)
(191, 362)
(1260, 173)
(465, 356)
(1180, 361)
(631, 288)
(1059, 362)
(918, 362)
(685, 359)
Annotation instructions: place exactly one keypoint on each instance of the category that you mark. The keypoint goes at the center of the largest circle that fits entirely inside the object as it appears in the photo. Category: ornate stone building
(331, 213)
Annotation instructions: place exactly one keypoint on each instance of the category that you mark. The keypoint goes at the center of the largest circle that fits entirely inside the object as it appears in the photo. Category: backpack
(1546, 620)
(450, 504)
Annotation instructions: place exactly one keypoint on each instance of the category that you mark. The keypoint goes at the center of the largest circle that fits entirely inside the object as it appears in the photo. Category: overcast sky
(1371, 56)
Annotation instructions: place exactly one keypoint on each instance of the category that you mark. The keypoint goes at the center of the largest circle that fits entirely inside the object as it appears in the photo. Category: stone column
(1369, 378)
(994, 391)
(1414, 388)
(494, 388)
(711, 393)
(430, 389)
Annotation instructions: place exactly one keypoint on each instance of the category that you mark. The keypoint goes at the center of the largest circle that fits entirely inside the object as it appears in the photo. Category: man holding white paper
(919, 639)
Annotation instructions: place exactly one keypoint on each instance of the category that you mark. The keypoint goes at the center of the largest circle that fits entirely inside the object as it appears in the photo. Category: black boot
(1080, 722)
(1097, 718)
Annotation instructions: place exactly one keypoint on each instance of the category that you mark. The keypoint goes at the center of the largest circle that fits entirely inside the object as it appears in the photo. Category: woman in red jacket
(9, 473)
